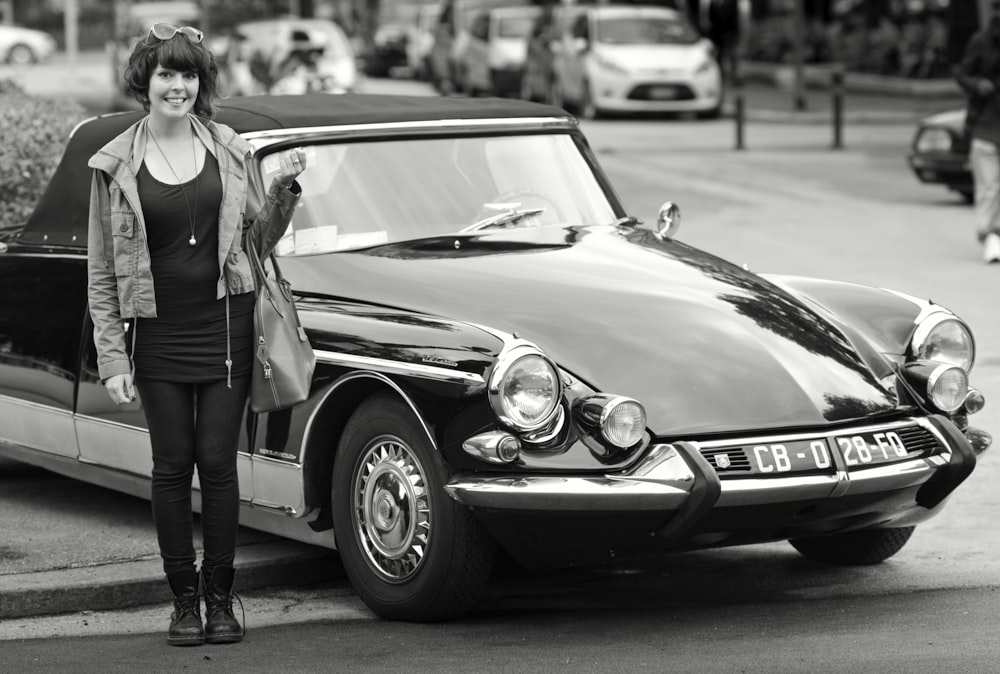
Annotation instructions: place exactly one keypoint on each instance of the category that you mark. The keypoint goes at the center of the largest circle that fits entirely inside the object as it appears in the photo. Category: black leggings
(195, 425)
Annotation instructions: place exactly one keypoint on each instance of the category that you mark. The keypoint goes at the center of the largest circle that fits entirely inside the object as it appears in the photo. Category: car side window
(581, 28)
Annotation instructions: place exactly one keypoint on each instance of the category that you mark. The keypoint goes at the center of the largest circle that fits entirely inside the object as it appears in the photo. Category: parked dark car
(939, 153)
(508, 359)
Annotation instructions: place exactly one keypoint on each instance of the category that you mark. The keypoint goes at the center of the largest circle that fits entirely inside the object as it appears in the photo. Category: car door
(42, 307)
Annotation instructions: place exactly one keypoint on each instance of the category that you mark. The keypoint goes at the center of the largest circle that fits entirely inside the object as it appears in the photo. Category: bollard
(838, 105)
(740, 111)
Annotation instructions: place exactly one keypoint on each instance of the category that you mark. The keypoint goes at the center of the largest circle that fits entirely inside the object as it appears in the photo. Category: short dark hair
(177, 53)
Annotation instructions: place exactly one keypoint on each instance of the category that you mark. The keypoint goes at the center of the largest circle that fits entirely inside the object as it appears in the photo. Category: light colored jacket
(120, 281)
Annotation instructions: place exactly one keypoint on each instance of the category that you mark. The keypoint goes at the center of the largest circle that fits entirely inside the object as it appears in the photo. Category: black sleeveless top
(186, 342)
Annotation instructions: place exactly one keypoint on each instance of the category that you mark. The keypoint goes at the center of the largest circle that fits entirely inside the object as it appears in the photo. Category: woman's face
(172, 93)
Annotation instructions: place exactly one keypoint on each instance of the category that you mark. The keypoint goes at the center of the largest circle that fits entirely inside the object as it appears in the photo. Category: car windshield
(644, 30)
(363, 194)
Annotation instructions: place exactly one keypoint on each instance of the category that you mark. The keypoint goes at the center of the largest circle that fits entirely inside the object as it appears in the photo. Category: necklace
(191, 212)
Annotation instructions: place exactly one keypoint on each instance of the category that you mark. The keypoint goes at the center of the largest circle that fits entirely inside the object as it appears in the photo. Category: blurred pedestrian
(979, 75)
(723, 22)
(166, 254)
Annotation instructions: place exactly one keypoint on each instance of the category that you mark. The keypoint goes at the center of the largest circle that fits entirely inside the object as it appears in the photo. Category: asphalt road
(912, 633)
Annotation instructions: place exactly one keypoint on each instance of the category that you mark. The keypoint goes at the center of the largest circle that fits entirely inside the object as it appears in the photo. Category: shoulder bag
(283, 361)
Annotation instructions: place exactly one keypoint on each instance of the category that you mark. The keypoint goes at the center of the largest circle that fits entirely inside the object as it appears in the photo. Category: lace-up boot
(185, 622)
(221, 626)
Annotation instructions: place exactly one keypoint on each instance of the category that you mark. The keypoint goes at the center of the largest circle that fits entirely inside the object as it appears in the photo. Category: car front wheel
(855, 548)
(410, 551)
(20, 55)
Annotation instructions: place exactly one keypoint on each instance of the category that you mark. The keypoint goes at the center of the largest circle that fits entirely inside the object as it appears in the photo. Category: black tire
(21, 55)
(711, 113)
(856, 548)
(410, 551)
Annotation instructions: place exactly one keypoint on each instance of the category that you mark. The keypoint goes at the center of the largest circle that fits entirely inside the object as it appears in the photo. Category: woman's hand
(120, 388)
(290, 164)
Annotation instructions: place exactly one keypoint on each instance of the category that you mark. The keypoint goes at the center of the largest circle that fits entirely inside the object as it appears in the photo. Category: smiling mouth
(175, 101)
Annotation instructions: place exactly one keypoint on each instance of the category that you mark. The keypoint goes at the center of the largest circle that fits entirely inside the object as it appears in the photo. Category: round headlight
(623, 423)
(944, 339)
(947, 388)
(527, 393)
(934, 139)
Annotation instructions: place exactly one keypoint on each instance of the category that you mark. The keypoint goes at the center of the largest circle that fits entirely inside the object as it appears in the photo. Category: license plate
(869, 449)
(798, 456)
(663, 93)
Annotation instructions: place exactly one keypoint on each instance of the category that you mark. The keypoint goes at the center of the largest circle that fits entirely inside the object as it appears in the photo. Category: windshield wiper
(503, 219)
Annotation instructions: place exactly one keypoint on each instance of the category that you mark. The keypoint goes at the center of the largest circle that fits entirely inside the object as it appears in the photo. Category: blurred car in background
(418, 47)
(23, 46)
(290, 55)
(451, 37)
(939, 154)
(492, 61)
(389, 51)
(635, 59)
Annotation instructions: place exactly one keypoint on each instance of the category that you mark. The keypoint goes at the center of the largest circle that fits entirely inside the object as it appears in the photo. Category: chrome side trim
(261, 139)
(278, 486)
(108, 422)
(39, 426)
(397, 367)
(307, 432)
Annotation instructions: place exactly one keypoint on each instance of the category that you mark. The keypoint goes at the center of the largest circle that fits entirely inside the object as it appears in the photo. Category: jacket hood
(705, 345)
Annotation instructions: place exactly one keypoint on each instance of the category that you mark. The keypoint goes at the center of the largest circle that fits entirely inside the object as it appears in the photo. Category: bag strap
(258, 265)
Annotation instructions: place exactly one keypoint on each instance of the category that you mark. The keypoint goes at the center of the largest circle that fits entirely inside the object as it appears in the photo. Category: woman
(170, 214)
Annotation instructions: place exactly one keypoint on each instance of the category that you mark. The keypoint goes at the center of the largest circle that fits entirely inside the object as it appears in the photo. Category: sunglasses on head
(165, 31)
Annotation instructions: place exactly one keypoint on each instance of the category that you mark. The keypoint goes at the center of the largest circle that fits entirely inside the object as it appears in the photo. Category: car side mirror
(580, 44)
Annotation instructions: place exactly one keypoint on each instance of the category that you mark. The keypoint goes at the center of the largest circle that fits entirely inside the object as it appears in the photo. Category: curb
(140, 582)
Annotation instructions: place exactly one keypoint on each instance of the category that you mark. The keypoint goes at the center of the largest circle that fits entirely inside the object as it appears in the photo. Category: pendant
(192, 241)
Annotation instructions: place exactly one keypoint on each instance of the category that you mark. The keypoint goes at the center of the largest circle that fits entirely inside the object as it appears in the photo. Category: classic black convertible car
(509, 359)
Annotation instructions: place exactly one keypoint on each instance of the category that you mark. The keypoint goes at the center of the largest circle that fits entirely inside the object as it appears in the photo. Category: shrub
(34, 132)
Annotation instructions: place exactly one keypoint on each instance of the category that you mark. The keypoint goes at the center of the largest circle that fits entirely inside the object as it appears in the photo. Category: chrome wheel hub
(392, 509)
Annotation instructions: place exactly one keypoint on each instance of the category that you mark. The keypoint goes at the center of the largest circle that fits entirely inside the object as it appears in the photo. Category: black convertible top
(60, 217)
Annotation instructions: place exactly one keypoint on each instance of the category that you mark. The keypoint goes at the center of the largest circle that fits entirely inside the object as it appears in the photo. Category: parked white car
(24, 46)
(493, 59)
(635, 59)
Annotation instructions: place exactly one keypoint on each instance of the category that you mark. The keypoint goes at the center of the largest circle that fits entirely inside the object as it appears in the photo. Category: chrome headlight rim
(610, 408)
(922, 377)
(505, 363)
(932, 381)
(925, 331)
(593, 413)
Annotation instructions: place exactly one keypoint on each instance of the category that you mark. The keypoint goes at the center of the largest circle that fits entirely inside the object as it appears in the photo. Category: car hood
(654, 57)
(953, 119)
(705, 345)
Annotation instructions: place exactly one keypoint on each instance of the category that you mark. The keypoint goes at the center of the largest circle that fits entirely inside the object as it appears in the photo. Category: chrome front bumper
(667, 477)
